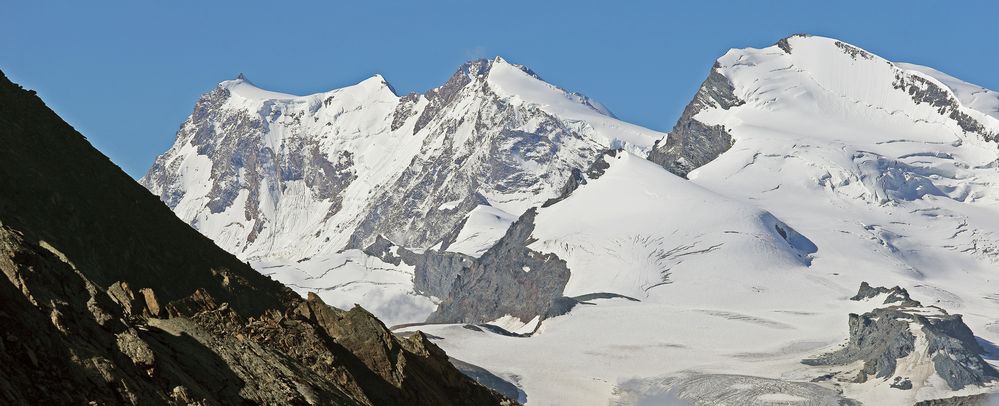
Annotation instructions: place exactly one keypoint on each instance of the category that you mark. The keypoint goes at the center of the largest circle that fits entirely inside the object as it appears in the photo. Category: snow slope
(637, 228)
(483, 226)
(513, 83)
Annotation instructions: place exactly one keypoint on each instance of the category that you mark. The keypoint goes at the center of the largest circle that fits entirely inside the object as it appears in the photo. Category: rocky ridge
(691, 143)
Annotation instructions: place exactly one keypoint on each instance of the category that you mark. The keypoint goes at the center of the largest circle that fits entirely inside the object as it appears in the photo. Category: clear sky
(127, 74)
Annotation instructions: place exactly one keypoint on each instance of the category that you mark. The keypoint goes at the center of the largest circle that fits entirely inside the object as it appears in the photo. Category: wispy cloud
(476, 52)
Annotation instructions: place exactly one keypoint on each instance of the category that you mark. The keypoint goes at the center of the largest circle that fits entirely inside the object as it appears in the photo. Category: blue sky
(126, 74)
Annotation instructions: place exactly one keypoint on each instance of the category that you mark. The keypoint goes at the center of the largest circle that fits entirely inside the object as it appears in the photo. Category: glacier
(722, 253)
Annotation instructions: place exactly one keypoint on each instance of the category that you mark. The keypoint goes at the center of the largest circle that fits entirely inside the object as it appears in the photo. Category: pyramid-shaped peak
(481, 67)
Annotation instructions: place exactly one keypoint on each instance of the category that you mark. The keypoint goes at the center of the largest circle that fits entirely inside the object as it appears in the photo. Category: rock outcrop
(923, 90)
(497, 284)
(108, 298)
(692, 143)
(479, 290)
(894, 296)
(904, 329)
(579, 177)
(434, 270)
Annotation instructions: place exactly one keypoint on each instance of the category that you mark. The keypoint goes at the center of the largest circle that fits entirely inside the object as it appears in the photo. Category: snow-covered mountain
(289, 182)
(598, 261)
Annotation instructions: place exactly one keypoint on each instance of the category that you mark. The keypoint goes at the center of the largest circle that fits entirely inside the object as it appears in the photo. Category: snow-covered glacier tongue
(584, 260)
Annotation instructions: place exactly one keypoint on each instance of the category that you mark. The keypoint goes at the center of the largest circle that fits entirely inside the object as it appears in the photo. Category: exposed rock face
(879, 338)
(692, 143)
(70, 343)
(923, 90)
(901, 383)
(883, 336)
(401, 366)
(785, 45)
(497, 283)
(853, 51)
(435, 271)
(387, 251)
(478, 290)
(579, 177)
(108, 298)
(895, 295)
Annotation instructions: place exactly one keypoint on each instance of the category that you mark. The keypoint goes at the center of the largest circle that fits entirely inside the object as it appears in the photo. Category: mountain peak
(374, 83)
(481, 67)
(785, 43)
(530, 72)
(241, 86)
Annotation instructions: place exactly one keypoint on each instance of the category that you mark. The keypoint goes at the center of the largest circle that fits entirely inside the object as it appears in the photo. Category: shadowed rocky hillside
(107, 297)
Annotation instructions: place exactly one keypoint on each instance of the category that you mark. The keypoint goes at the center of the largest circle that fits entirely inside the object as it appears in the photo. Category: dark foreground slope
(107, 297)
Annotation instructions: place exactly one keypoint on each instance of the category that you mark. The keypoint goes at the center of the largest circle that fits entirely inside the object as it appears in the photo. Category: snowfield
(844, 167)
(638, 228)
